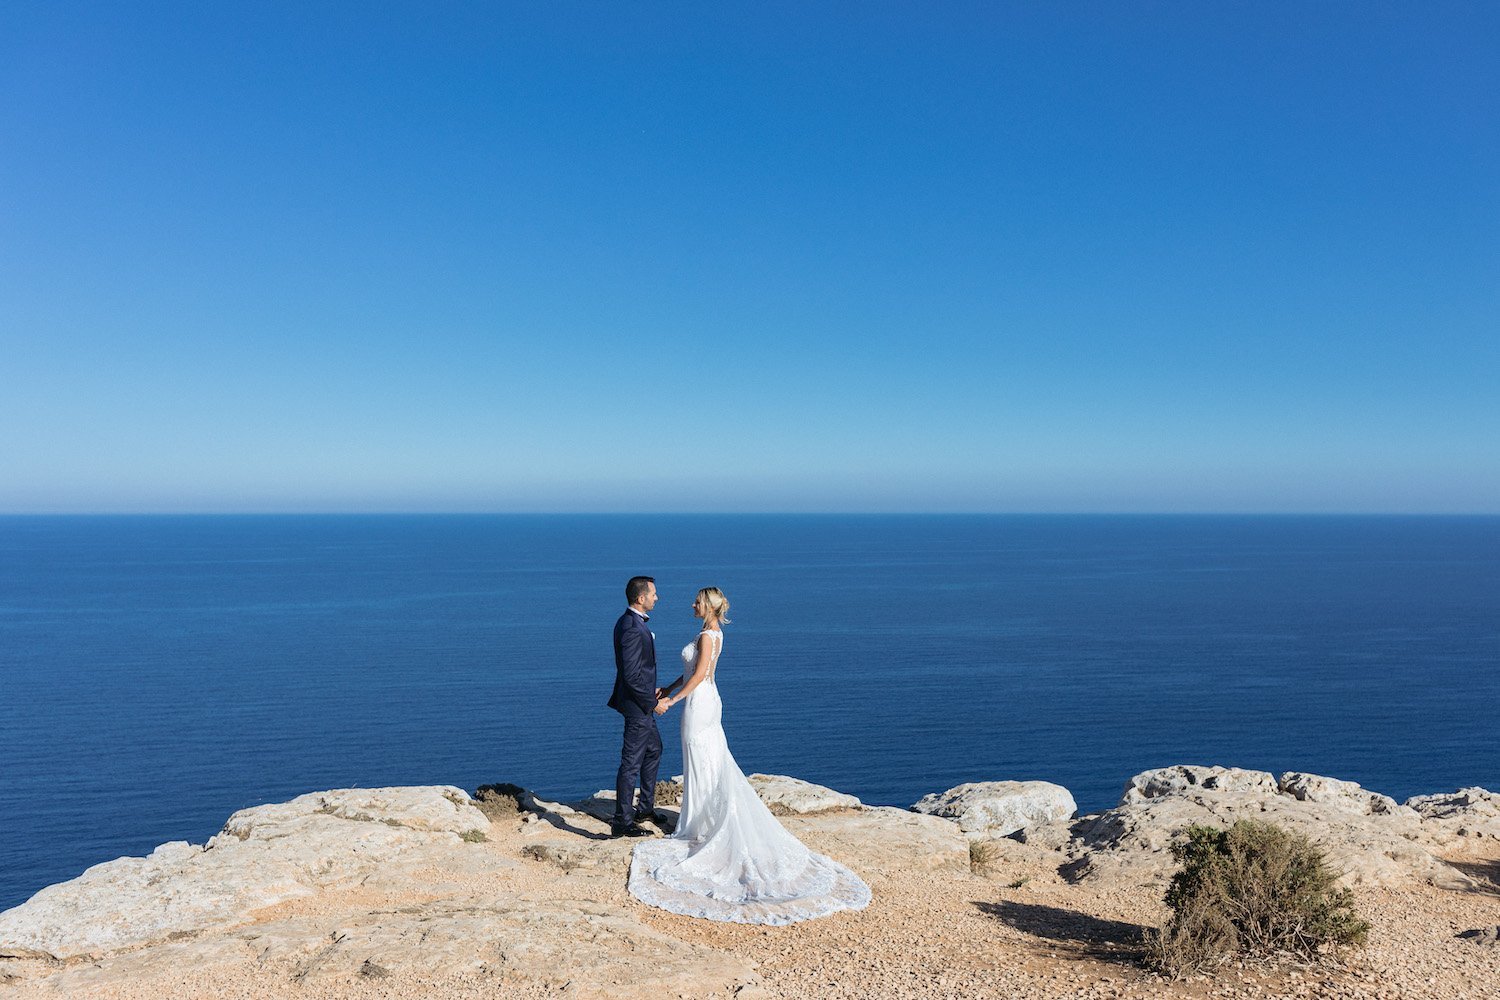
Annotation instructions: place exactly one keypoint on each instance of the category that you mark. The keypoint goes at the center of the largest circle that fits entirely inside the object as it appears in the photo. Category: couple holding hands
(727, 857)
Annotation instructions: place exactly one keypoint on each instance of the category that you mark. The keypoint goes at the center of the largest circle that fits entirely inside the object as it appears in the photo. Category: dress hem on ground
(846, 891)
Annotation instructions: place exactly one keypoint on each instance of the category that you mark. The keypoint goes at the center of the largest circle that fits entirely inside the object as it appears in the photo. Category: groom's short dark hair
(636, 588)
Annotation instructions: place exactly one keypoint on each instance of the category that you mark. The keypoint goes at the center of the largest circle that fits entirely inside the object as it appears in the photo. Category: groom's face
(649, 600)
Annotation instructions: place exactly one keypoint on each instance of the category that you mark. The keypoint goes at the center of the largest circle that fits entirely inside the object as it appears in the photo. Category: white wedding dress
(730, 859)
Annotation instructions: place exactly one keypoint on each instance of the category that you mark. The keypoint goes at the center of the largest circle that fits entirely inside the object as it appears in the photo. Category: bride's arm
(663, 692)
(699, 671)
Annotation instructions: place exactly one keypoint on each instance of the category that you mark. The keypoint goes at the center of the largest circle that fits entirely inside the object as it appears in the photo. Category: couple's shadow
(568, 817)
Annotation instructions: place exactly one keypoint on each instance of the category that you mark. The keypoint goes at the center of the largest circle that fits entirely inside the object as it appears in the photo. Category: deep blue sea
(158, 673)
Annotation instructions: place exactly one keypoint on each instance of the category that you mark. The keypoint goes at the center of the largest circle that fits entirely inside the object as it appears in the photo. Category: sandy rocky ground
(425, 892)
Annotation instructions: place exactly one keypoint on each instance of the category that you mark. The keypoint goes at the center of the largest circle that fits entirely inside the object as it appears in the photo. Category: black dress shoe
(633, 830)
(661, 821)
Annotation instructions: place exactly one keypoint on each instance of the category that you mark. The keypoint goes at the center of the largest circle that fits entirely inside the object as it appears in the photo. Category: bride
(729, 859)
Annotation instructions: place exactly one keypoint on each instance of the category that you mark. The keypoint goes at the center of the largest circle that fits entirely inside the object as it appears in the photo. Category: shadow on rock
(504, 801)
(1485, 874)
(1093, 936)
(1077, 870)
(560, 821)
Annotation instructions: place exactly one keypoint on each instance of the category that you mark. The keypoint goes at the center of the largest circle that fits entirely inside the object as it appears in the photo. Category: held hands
(662, 702)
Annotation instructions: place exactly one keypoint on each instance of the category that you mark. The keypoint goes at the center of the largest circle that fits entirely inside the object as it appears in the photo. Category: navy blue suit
(635, 698)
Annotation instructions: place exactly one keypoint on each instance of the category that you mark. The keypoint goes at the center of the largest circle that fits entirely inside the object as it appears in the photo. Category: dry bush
(1254, 889)
(668, 793)
(563, 857)
(499, 801)
(984, 856)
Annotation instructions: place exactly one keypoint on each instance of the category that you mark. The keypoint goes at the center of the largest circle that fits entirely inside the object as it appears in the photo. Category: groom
(635, 697)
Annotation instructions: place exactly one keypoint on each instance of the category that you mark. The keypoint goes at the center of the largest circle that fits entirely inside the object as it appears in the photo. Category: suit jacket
(635, 665)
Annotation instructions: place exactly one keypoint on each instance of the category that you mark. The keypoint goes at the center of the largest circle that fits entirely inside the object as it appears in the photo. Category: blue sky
(758, 257)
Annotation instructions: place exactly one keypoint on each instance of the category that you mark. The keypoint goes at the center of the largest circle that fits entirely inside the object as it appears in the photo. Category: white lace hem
(830, 887)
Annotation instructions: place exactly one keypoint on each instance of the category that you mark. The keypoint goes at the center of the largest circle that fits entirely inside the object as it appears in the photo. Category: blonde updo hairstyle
(713, 598)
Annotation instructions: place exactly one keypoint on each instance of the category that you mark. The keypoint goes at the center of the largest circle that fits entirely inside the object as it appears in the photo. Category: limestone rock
(1182, 778)
(1483, 935)
(1343, 794)
(562, 813)
(1364, 835)
(1478, 802)
(552, 941)
(1468, 812)
(1054, 836)
(540, 907)
(601, 806)
(571, 855)
(786, 796)
(167, 957)
(263, 856)
(546, 943)
(132, 901)
(429, 808)
(783, 795)
(878, 838)
(1000, 808)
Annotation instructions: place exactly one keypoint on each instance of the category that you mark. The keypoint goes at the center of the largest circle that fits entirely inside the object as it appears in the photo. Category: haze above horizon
(573, 258)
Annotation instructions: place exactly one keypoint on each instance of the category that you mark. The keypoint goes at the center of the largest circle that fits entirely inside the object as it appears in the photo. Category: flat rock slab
(178, 889)
(426, 808)
(553, 941)
(548, 943)
(263, 856)
(879, 838)
(1000, 808)
(787, 796)
(601, 806)
(574, 855)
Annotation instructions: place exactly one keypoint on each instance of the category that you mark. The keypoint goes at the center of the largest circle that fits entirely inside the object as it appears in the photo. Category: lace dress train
(730, 859)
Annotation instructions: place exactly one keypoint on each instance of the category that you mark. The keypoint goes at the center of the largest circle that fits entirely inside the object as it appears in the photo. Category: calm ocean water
(157, 673)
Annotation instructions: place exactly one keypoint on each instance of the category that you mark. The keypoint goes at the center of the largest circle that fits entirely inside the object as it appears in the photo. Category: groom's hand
(661, 708)
(661, 693)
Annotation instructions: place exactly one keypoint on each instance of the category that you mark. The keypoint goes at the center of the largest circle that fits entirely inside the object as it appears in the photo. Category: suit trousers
(640, 755)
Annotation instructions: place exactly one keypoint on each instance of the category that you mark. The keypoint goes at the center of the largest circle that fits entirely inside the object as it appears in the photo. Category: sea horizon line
(37, 514)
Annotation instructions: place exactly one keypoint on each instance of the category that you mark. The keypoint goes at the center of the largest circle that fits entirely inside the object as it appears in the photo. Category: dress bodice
(690, 654)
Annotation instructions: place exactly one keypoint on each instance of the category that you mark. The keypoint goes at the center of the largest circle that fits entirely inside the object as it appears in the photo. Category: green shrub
(1254, 889)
